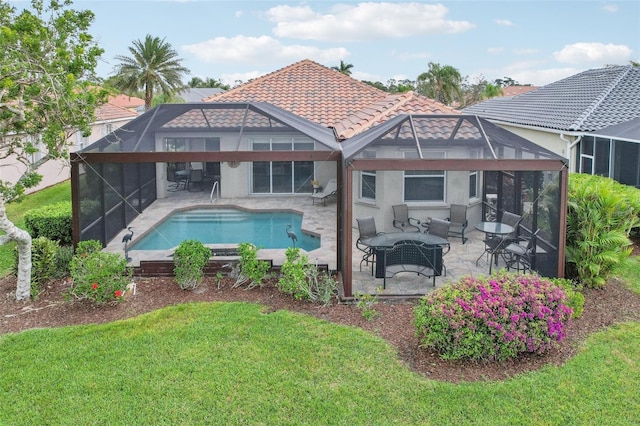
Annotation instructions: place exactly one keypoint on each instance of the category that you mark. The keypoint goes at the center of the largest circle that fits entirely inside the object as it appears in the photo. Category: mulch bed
(605, 307)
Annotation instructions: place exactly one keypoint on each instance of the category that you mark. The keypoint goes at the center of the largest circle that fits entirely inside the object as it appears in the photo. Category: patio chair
(173, 182)
(367, 230)
(496, 244)
(402, 221)
(440, 228)
(330, 190)
(458, 221)
(196, 178)
(521, 256)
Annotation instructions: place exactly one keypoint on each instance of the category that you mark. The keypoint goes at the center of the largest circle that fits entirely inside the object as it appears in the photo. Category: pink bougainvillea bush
(493, 318)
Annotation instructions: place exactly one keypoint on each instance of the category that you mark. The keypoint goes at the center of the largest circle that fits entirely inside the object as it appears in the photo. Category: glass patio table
(492, 245)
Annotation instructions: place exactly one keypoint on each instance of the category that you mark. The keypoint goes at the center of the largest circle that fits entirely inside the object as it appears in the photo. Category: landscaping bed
(393, 322)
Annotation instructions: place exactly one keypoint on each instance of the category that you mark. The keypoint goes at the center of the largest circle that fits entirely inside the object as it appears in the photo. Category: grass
(230, 363)
(17, 210)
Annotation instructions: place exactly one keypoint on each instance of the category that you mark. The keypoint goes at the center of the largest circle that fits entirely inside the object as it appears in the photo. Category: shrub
(64, 254)
(601, 214)
(251, 270)
(189, 259)
(43, 263)
(99, 277)
(52, 221)
(303, 281)
(575, 299)
(493, 318)
(87, 247)
(366, 303)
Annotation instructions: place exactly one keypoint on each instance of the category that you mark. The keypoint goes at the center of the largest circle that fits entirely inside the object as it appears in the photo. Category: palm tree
(441, 83)
(153, 65)
(343, 68)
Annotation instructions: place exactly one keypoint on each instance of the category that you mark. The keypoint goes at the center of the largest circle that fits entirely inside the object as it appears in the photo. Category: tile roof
(386, 108)
(587, 101)
(329, 98)
(308, 89)
(517, 90)
(126, 101)
(110, 112)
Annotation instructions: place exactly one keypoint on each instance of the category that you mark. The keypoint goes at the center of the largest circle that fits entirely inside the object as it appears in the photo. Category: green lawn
(17, 210)
(232, 363)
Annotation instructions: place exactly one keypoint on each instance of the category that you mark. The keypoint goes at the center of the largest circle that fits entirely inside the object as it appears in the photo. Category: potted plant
(315, 183)
(189, 259)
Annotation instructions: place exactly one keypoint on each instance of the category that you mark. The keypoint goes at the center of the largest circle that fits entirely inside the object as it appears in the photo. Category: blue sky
(533, 42)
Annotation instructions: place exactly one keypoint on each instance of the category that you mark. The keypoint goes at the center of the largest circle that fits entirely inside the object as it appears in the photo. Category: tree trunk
(23, 240)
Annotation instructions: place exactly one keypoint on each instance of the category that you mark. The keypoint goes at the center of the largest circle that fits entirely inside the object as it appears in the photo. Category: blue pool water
(227, 226)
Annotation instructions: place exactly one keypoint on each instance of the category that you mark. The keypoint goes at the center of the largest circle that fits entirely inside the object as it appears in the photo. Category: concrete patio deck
(317, 219)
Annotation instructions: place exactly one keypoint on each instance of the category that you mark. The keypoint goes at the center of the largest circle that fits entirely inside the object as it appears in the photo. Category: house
(566, 117)
(272, 136)
(108, 118)
(198, 94)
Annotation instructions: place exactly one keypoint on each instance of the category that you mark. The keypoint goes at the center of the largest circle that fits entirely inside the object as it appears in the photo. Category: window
(586, 155)
(368, 179)
(473, 184)
(424, 185)
(282, 177)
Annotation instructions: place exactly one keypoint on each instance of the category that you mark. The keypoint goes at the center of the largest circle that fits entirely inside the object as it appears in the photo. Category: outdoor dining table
(492, 229)
(386, 241)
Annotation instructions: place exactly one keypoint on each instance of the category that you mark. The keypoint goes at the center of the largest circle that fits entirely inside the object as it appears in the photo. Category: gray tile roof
(584, 102)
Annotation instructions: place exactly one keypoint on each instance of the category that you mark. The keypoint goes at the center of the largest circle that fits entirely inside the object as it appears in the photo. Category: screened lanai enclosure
(228, 149)
(429, 162)
(265, 156)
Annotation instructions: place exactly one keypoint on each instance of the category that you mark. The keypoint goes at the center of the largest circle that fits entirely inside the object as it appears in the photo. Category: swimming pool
(265, 229)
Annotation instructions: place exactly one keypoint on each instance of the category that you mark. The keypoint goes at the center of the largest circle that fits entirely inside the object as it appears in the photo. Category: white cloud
(593, 53)
(243, 77)
(610, 8)
(543, 77)
(495, 50)
(238, 13)
(364, 21)
(261, 50)
(504, 22)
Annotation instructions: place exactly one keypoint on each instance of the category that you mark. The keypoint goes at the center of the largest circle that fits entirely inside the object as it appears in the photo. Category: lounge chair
(330, 189)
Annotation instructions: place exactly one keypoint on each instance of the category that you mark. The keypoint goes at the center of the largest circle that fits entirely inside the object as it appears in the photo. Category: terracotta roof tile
(329, 98)
(125, 101)
(308, 89)
(517, 90)
(109, 111)
(389, 107)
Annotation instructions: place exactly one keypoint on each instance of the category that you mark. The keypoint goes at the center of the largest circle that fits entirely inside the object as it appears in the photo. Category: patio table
(381, 243)
(492, 229)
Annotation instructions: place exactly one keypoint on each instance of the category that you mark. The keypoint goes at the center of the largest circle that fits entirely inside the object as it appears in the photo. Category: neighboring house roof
(198, 94)
(111, 112)
(329, 98)
(584, 102)
(517, 90)
(627, 131)
(126, 101)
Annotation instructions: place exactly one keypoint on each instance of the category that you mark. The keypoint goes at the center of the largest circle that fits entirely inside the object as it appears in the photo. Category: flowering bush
(494, 318)
(99, 277)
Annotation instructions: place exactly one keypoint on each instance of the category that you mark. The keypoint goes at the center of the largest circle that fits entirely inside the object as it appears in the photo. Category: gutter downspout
(570, 146)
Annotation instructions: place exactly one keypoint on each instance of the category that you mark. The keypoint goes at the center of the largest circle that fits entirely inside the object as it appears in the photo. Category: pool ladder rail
(214, 189)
